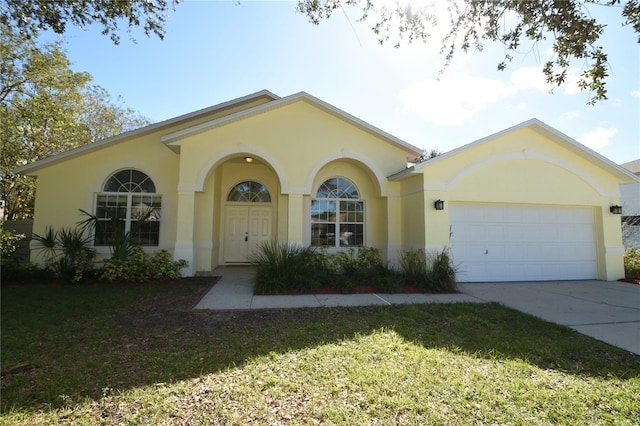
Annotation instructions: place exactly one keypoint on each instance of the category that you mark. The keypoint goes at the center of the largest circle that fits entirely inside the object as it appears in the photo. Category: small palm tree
(67, 252)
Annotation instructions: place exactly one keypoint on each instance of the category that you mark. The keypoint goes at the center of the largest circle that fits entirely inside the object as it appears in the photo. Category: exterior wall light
(438, 205)
(248, 159)
(615, 209)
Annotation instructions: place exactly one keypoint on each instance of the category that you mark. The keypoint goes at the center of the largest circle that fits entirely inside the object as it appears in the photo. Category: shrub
(140, 267)
(363, 266)
(9, 242)
(163, 267)
(413, 264)
(67, 252)
(281, 267)
(24, 272)
(442, 273)
(428, 271)
(632, 263)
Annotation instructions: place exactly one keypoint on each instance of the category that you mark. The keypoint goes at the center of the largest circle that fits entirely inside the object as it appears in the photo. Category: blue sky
(215, 51)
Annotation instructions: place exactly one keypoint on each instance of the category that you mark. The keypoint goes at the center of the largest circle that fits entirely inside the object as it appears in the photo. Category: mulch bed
(361, 289)
(630, 280)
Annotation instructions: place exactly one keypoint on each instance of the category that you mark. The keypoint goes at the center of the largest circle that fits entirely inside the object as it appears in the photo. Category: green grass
(136, 354)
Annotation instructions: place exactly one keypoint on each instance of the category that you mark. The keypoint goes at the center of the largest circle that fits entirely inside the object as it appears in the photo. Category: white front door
(246, 228)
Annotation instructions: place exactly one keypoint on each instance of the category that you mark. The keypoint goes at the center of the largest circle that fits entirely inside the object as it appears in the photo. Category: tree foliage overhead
(472, 23)
(46, 108)
(29, 16)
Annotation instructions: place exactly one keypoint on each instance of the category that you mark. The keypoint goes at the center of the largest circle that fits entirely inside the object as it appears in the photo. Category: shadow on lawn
(73, 342)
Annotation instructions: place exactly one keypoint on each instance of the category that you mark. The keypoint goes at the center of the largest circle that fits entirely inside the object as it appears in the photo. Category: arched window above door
(249, 192)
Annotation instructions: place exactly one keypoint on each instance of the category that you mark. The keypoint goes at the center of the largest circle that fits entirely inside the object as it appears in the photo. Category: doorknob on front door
(246, 236)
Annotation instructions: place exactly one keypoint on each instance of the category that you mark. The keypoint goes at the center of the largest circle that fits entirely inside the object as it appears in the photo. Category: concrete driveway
(607, 311)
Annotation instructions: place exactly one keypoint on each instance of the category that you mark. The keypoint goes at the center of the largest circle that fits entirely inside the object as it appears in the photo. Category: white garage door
(522, 243)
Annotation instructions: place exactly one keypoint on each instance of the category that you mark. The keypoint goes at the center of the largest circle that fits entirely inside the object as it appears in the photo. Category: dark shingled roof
(632, 166)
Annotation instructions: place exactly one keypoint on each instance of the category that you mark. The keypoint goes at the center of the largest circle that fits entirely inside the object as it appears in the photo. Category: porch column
(184, 248)
(295, 219)
(394, 228)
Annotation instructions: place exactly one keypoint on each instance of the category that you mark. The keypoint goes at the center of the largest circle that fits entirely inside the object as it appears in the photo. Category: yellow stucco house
(528, 203)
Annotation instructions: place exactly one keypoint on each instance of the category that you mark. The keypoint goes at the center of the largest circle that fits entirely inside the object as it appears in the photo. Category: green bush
(9, 242)
(429, 271)
(67, 252)
(163, 267)
(413, 264)
(140, 267)
(632, 263)
(442, 272)
(363, 267)
(285, 268)
(281, 267)
(13, 271)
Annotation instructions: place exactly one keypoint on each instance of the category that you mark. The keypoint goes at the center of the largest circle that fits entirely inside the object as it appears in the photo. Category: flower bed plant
(291, 269)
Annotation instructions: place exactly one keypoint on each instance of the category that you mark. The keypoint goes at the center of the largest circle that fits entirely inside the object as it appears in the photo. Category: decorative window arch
(337, 214)
(130, 205)
(249, 192)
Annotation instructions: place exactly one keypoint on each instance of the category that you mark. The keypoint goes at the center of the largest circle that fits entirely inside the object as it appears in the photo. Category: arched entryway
(248, 220)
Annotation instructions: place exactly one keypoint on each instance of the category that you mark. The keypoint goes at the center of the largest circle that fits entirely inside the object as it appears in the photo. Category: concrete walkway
(607, 311)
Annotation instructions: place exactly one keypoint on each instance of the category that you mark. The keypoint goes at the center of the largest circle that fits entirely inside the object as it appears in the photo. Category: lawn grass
(137, 354)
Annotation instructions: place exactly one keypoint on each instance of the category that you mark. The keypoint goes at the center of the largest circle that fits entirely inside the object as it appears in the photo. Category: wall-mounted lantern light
(248, 159)
(438, 205)
(615, 209)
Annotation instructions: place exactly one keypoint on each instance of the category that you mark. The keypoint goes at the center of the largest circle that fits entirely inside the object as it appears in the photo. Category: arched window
(128, 204)
(337, 215)
(249, 192)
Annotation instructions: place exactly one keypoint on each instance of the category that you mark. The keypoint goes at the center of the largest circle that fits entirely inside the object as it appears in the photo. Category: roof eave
(30, 169)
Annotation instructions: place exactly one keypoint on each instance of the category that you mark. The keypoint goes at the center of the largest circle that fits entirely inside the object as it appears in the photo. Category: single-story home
(527, 203)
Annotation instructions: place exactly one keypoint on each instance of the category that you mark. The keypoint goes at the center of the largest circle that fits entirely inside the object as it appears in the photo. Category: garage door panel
(522, 243)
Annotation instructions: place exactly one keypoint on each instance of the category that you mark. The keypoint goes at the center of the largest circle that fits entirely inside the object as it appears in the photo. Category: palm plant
(67, 252)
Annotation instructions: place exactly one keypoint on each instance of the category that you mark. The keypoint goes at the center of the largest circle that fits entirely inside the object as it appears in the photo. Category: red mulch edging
(361, 289)
(630, 280)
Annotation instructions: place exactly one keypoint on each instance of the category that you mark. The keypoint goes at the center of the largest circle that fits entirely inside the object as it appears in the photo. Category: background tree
(472, 23)
(46, 108)
(29, 16)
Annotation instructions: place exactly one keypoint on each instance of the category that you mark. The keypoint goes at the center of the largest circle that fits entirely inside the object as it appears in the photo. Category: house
(527, 203)
(630, 197)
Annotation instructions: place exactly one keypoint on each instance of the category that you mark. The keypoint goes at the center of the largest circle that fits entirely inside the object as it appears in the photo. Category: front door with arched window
(248, 221)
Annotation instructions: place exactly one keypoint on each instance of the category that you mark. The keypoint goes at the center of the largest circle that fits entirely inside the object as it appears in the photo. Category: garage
(498, 242)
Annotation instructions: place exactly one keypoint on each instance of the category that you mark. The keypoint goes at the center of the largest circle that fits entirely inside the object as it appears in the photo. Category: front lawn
(137, 354)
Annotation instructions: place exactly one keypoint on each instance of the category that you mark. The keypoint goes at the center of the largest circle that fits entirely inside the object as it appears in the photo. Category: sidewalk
(234, 292)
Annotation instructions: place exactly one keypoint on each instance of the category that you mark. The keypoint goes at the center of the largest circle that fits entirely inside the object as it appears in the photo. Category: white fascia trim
(30, 168)
(402, 174)
(174, 138)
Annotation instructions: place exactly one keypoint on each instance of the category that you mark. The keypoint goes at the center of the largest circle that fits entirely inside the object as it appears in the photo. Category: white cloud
(530, 78)
(453, 99)
(598, 138)
(570, 115)
(636, 93)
